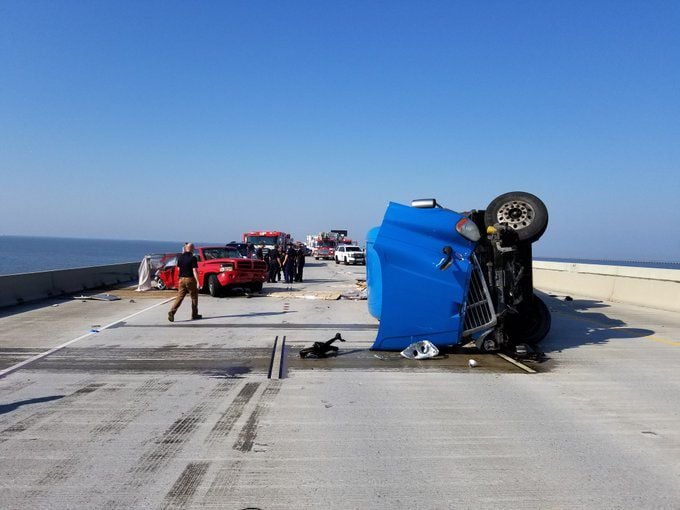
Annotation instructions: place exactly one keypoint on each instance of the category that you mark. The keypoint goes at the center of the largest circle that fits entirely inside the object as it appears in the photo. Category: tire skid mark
(172, 440)
(246, 437)
(33, 419)
(231, 415)
(115, 387)
(185, 487)
(223, 484)
(63, 470)
(60, 472)
(149, 390)
(66, 468)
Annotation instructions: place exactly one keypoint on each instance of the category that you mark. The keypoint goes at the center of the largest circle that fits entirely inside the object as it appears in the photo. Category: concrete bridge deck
(142, 413)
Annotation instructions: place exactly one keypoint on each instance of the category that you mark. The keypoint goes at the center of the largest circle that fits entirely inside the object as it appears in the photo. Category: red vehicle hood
(238, 264)
(220, 261)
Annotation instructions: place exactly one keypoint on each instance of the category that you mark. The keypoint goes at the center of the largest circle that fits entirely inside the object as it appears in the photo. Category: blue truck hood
(411, 296)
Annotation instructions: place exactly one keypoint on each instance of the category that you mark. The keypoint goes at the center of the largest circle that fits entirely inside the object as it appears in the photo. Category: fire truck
(341, 237)
(322, 245)
(270, 238)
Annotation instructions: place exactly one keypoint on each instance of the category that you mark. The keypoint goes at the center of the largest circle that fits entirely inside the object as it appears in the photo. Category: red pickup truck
(219, 268)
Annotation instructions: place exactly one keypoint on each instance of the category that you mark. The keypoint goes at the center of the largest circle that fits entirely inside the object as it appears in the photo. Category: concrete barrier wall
(22, 288)
(654, 288)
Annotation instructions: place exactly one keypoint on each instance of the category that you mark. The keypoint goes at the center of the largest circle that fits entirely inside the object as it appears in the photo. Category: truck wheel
(317, 258)
(336, 260)
(214, 286)
(523, 212)
(346, 261)
(160, 284)
(256, 287)
(530, 325)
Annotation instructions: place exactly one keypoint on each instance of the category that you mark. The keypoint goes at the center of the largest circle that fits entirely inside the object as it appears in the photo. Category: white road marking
(30, 360)
(277, 358)
(516, 363)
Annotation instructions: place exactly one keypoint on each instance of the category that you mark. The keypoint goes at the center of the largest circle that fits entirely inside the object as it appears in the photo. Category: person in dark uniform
(299, 261)
(188, 282)
(274, 264)
(259, 252)
(282, 253)
(289, 264)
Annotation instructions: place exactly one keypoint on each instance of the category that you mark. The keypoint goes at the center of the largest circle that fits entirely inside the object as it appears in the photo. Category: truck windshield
(327, 244)
(257, 240)
(221, 253)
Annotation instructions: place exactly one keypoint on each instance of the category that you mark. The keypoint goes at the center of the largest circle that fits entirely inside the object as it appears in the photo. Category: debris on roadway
(424, 349)
(322, 349)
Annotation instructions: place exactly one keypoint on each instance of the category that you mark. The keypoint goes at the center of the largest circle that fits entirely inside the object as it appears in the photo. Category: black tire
(256, 287)
(214, 286)
(531, 325)
(524, 212)
(317, 258)
(337, 261)
(346, 261)
(160, 284)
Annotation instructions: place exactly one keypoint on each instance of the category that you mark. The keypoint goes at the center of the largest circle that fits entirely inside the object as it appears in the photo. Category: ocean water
(22, 254)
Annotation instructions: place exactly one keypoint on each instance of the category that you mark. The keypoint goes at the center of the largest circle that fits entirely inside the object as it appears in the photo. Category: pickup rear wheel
(525, 213)
(214, 286)
(256, 287)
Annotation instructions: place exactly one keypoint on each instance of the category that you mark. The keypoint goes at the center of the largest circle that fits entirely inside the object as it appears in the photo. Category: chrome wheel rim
(516, 214)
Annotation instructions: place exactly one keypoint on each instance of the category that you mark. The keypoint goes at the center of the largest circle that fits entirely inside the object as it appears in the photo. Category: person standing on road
(188, 282)
(274, 264)
(299, 261)
(282, 253)
(289, 264)
(259, 252)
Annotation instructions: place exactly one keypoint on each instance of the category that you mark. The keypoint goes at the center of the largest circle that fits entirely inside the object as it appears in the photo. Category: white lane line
(516, 363)
(30, 360)
(277, 359)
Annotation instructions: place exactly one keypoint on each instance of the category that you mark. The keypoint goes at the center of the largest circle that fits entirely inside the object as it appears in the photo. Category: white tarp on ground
(144, 275)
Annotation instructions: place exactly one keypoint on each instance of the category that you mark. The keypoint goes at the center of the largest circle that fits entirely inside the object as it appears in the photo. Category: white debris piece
(145, 274)
(423, 349)
(472, 363)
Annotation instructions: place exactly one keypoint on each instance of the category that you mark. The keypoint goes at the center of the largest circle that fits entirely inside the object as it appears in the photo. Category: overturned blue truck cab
(452, 278)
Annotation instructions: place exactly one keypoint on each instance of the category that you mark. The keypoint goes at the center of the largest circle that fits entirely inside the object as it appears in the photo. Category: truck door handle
(446, 261)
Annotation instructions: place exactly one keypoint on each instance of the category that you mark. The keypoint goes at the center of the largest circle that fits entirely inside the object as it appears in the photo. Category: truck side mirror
(424, 203)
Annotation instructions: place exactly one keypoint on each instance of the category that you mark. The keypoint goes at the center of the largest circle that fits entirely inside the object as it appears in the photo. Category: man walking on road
(188, 282)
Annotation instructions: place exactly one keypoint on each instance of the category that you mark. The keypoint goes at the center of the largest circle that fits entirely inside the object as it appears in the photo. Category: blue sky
(200, 120)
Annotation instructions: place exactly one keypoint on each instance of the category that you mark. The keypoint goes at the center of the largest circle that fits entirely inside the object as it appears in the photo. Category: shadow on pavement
(8, 311)
(255, 325)
(228, 373)
(574, 324)
(8, 408)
